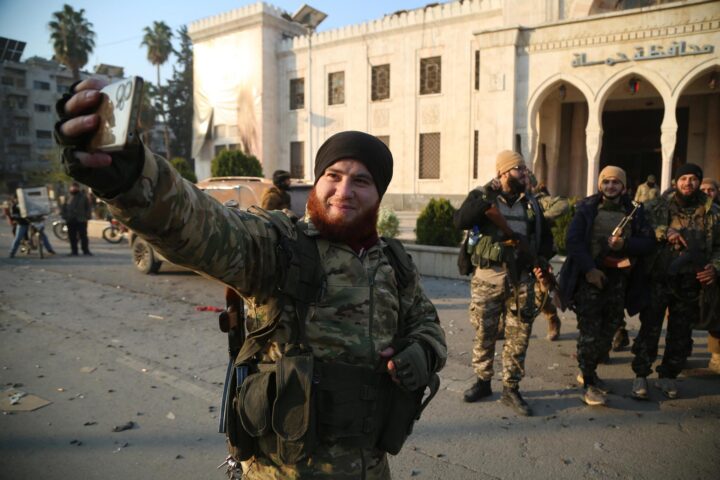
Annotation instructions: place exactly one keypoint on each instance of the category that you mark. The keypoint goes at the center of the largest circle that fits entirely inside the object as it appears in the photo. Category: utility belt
(290, 407)
(484, 252)
(609, 261)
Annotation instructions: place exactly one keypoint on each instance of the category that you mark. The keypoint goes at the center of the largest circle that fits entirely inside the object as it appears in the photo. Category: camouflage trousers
(680, 296)
(328, 462)
(599, 314)
(492, 297)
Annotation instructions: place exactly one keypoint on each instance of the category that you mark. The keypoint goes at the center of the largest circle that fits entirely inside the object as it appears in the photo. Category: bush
(234, 163)
(388, 224)
(184, 169)
(435, 225)
(560, 228)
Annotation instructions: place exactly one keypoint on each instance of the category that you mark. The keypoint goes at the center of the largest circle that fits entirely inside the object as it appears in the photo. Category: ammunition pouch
(487, 252)
(290, 407)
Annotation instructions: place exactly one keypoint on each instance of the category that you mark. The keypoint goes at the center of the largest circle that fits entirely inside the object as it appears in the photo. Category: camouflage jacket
(659, 215)
(356, 317)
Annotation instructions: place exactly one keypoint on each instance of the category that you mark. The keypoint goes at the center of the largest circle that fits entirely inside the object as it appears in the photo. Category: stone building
(572, 84)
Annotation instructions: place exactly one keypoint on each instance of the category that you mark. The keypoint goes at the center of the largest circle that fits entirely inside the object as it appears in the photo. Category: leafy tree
(147, 113)
(231, 163)
(184, 169)
(435, 224)
(180, 97)
(72, 37)
(158, 42)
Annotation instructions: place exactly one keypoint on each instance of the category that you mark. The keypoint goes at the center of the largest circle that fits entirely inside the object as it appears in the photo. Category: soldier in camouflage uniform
(502, 284)
(597, 274)
(370, 332)
(686, 265)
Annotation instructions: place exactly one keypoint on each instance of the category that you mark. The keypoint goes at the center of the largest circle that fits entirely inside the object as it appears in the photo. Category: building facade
(28, 92)
(573, 85)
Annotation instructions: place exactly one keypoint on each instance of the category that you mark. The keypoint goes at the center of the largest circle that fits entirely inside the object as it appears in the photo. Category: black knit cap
(280, 176)
(360, 146)
(687, 169)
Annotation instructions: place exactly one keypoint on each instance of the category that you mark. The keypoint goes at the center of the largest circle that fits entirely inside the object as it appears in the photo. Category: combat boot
(620, 340)
(512, 398)
(668, 387)
(597, 381)
(714, 363)
(640, 388)
(593, 396)
(553, 328)
(480, 389)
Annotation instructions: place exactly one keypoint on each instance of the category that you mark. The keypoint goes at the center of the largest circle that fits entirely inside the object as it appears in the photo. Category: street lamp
(310, 18)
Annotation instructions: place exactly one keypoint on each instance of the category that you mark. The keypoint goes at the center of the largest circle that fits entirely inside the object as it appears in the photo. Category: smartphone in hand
(119, 112)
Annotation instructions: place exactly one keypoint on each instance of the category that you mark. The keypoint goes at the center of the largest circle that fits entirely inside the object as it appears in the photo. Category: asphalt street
(113, 349)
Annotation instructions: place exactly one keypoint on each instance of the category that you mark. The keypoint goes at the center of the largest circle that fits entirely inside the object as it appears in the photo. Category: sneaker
(553, 328)
(668, 387)
(512, 398)
(480, 389)
(640, 388)
(599, 383)
(620, 340)
(51, 252)
(594, 397)
(714, 363)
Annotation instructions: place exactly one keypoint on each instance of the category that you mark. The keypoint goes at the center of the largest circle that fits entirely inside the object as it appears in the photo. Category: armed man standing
(342, 341)
(683, 278)
(510, 235)
(605, 243)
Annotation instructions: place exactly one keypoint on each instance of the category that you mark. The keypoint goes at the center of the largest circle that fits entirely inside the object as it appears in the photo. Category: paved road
(107, 345)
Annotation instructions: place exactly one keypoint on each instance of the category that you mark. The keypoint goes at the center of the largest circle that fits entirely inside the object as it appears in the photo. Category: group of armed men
(340, 345)
(658, 254)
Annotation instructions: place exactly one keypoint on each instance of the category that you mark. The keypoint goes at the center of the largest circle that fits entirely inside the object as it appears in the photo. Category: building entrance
(631, 141)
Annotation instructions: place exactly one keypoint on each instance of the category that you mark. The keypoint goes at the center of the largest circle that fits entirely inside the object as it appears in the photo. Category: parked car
(246, 191)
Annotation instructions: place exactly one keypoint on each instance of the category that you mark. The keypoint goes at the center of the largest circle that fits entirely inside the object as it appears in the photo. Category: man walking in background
(76, 213)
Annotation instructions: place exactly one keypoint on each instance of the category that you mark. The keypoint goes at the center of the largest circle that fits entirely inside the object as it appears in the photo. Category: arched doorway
(561, 157)
(699, 104)
(631, 119)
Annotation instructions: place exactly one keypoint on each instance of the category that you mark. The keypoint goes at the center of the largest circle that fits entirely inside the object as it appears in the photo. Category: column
(668, 138)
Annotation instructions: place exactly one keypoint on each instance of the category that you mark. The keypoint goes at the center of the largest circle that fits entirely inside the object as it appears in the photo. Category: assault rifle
(232, 322)
(608, 259)
(521, 256)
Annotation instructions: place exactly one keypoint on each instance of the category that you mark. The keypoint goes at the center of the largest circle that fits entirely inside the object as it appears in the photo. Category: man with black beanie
(342, 341)
(277, 196)
(686, 262)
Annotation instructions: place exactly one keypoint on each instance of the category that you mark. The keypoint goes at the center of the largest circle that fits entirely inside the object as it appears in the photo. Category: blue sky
(119, 25)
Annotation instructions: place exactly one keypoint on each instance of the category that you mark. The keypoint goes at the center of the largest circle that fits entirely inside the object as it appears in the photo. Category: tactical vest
(485, 245)
(288, 407)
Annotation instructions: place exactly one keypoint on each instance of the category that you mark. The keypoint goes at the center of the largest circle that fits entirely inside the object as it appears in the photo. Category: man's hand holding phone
(85, 116)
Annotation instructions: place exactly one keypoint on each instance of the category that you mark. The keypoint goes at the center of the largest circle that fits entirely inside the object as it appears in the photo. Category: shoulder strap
(400, 261)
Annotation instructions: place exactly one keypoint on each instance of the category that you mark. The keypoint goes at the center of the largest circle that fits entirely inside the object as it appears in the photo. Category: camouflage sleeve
(194, 230)
(715, 232)
(657, 215)
(421, 321)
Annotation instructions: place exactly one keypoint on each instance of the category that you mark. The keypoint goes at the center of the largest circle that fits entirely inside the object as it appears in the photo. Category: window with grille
(477, 69)
(42, 108)
(38, 85)
(297, 159)
(429, 155)
(336, 88)
(385, 139)
(475, 154)
(380, 82)
(430, 75)
(297, 93)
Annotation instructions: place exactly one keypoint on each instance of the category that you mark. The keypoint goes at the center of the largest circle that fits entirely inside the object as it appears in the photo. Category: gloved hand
(596, 277)
(411, 367)
(108, 175)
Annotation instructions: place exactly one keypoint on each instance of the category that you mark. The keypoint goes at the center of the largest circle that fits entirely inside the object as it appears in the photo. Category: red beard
(357, 233)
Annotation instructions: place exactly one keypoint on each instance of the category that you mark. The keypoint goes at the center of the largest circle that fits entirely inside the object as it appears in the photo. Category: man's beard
(688, 200)
(516, 186)
(613, 197)
(336, 230)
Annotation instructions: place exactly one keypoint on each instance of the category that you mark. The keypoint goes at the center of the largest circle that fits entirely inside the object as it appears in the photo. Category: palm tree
(72, 37)
(157, 40)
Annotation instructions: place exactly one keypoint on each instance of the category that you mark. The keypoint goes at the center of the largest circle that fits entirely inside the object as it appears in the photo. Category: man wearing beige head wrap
(502, 284)
(601, 274)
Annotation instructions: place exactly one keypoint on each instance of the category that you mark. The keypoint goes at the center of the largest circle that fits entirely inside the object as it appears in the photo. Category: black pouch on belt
(242, 445)
(293, 413)
(405, 409)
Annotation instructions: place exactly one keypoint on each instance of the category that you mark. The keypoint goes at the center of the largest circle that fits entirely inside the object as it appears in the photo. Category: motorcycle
(59, 228)
(33, 241)
(115, 232)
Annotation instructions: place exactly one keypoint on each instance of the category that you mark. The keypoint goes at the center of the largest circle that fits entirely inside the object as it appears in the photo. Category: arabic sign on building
(653, 52)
